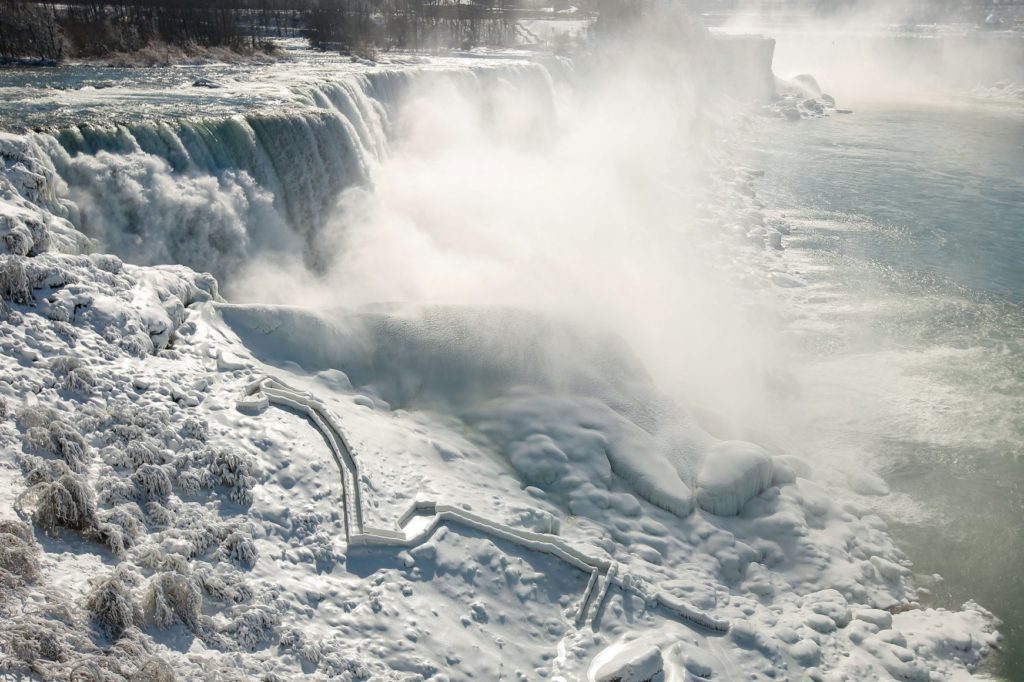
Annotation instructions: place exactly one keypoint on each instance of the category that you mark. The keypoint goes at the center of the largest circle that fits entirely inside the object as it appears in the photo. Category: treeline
(412, 24)
(84, 28)
(47, 30)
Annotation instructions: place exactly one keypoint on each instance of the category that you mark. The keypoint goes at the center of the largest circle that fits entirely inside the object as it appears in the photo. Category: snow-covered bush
(14, 283)
(67, 442)
(65, 503)
(253, 624)
(36, 439)
(223, 584)
(35, 415)
(33, 638)
(80, 380)
(239, 548)
(19, 561)
(154, 670)
(152, 482)
(127, 516)
(232, 469)
(195, 428)
(191, 483)
(111, 605)
(57, 437)
(113, 537)
(142, 451)
(114, 490)
(157, 558)
(171, 598)
(64, 364)
(39, 470)
(159, 515)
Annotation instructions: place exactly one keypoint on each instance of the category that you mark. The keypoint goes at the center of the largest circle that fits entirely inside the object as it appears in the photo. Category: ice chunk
(733, 472)
(632, 665)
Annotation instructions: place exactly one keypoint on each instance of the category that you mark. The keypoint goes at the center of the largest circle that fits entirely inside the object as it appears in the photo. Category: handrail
(269, 390)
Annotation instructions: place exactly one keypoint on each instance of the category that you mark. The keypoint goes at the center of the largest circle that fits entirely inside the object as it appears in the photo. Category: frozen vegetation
(196, 489)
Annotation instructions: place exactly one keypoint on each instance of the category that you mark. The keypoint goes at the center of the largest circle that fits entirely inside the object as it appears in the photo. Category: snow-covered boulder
(733, 472)
(632, 664)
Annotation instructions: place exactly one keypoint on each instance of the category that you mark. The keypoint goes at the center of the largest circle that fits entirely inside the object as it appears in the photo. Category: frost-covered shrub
(39, 470)
(127, 517)
(321, 546)
(305, 524)
(239, 548)
(56, 437)
(159, 515)
(171, 598)
(32, 639)
(65, 503)
(232, 469)
(4, 410)
(142, 451)
(19, 561)
(152, 482)
(195, 428)
(113, 537)
(229, 467)
(66, 331)
(35, 415)
(114, 490)
(222, 584)
(36, 439)
(67, 442)
(63, 364)
(137, 344)
(14, 281)
(80, 380)
(200, 539)
(253, 624)
(154, 670)
(191, 483)
(111, 605)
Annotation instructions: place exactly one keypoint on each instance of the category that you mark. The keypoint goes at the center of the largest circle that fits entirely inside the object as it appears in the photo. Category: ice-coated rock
(733, 472)
(631, 665)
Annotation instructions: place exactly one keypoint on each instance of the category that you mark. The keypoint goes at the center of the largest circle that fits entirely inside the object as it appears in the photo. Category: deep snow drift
(531, 498)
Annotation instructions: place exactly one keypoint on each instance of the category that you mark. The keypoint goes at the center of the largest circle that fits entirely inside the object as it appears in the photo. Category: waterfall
(211, 193)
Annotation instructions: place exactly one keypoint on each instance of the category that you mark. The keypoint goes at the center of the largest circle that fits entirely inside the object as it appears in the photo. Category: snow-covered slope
(177, 516)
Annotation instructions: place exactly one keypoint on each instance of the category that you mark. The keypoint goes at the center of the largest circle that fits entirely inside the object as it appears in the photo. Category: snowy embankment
(418, 493)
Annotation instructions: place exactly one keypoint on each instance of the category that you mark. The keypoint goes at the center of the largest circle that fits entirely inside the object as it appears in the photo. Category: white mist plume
(488, 198)
(879, 50)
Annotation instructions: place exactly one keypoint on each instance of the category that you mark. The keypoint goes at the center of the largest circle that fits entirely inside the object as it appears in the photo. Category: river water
(908, 227)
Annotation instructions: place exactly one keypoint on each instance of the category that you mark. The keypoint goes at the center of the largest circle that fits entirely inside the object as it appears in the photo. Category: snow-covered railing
(270, 390)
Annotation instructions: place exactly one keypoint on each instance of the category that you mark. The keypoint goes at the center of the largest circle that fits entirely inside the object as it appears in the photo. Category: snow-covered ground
(196, 489)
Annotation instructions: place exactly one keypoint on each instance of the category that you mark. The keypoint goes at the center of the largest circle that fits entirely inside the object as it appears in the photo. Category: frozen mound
(33, 219)
(101, 292)
(568, 407)
(632, 664)
(733, 472)
(453, 355)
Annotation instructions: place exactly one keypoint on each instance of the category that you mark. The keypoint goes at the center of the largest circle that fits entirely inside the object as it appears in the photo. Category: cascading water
(212, 193)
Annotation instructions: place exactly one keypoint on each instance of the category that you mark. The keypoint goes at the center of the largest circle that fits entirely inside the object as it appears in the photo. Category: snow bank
(636, 664)
(501, 371)
(733, 472)
(33, 217)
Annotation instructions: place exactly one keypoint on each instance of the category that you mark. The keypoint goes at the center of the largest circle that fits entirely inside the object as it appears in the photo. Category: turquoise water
(908, 225)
